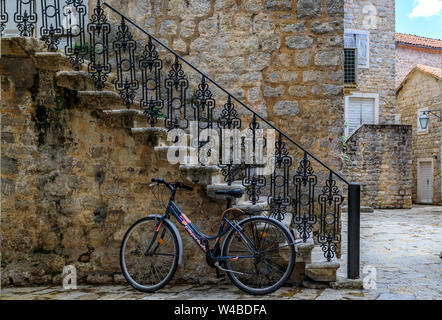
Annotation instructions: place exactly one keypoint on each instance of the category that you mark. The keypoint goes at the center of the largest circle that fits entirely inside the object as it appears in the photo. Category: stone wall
(380, 160)
(74, 180)
(408, 57)
(380, 76)
(283, 58)
(422, 90)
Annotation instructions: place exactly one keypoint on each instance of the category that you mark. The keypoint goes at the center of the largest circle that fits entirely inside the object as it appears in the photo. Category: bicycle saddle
(235, 193)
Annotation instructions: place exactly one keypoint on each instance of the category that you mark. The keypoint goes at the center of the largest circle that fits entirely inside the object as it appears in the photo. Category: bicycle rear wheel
(272, 250)
(149, 257)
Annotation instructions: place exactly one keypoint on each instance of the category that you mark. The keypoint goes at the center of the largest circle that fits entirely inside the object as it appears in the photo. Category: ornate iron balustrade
(307, 189)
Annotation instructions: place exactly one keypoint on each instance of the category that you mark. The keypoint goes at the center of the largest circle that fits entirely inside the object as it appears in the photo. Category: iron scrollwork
(228, 120)
(330, 201)
(51, 29)
(4, 17)
(26, 17)
(176, 85)
(304, 210)
(124, 47)
(203, 105)
(253, 179)
(151, 65)
(99, 29)
(77, 48)
(279, 198)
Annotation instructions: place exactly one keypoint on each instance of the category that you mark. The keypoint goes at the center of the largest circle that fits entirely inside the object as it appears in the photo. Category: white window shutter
(354, 115)
(349, 40)
(362, 46)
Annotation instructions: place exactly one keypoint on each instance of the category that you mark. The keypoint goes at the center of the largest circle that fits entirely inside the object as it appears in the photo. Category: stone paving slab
(402, 246)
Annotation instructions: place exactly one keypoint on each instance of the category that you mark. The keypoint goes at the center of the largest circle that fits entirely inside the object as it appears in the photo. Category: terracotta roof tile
(437, 72)
(418, 41)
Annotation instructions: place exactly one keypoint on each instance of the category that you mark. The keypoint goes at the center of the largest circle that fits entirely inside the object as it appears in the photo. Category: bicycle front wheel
(271, 255)
(148, 255)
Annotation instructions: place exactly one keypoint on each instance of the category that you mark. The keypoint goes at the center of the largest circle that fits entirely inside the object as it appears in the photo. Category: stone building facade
(421, 90)
(413, 50)
(370, 27)
(370, 108)
(386, 180)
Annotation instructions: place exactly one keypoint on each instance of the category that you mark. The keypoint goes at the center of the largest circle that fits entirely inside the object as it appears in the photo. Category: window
(350, 68)
(361, 108)
(360, 40)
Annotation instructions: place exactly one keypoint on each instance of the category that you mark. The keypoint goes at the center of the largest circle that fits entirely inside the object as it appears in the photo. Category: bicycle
(258, 253)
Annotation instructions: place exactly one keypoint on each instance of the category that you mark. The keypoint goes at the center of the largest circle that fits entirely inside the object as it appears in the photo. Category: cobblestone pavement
(402, 245)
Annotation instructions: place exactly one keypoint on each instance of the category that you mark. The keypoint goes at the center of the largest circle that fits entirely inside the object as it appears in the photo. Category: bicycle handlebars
(172, 186)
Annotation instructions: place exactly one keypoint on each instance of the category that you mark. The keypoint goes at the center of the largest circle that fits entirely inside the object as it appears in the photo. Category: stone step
(247, 205)
(99, 100)
(77, 80)
(148, 135)
(322, 271)
(304, 253)
(125, 118)
(344, 283)
(363, 209)
(177, 151)
(53, 61)
(198, 174)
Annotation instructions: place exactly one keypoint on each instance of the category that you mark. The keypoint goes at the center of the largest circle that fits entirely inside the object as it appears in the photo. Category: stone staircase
(108, 103)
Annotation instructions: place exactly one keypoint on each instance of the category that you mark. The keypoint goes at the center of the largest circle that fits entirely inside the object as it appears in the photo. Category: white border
(374, 96)
(418, 192)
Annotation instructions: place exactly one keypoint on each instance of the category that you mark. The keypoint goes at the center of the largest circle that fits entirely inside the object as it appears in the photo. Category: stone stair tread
(363, 209)
(148, 130)
(308, 245)
(197, 167)
(126, 111)
(323, 265)
(246, 204)
(166, 148)
(101, 100)
(74, 80)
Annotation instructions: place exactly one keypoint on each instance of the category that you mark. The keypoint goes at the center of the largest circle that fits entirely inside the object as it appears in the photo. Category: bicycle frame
(200, 238)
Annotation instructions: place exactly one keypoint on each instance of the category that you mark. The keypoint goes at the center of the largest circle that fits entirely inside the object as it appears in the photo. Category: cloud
(426, 8)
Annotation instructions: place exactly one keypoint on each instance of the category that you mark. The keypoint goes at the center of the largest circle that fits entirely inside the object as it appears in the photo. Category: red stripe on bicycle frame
(159, 226)
(236, 258)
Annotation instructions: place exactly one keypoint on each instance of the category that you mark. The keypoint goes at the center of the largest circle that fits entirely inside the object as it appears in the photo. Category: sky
(419, 17)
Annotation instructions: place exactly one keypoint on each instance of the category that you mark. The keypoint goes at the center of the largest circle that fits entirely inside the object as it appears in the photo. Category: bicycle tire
(229, 264)
(123, 261)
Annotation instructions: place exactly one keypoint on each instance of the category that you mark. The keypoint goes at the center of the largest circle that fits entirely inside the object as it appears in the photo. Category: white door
(360, 111)
(425, 182)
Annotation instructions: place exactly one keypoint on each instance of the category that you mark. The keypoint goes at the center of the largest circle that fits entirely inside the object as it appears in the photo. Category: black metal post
(354, 215)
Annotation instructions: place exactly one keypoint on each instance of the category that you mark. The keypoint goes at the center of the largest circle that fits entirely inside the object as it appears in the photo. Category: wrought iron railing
(308, 189)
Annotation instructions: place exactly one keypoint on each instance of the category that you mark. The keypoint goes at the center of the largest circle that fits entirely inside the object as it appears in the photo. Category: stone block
(322, 271)
(332, 57)
(299, 42)
(286, 108)
(308, 9)
(278, 5)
